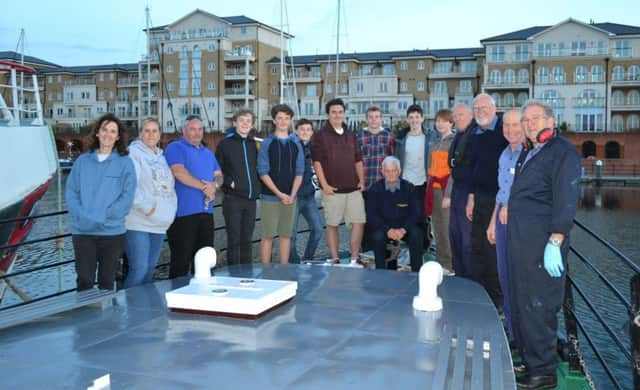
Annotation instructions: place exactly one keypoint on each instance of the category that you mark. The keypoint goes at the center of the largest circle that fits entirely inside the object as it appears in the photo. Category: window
(311, 91)
(523, 76)
(618, 73)
(403, 65)
(495, 77)
(384, 107)
(211, 104)
(544, 49)
(465, 87)
(633, 73)
(633, 122)
(243, 30)
(440, 87)
(328, 89)
(169, 68)
(443, 67)
(382, 87)
(596, 73)
(196, 73)
(558, 74)
(578, 48)
(388, 69)
(212, 47)
(274, 90)
(617, 98)
(50, 79)
(101, 77)
(211, 86)
(496, 97)
(439, 105)
(111, 76)
(601, 48)
(169, 49)
(522, 52)
(621, 48)
(468, 67)
(170, 87)
(50, 96)
(509, 100)
(581, 74)
(59, 78)
(422, 104)
(633, 98)
(617, 123)
(421, 65)
(522, 98)
(497, 54)
(274, 69)
(404, 87)
(344, 88)
(308, 109)
(359, 87)
(329, 68)
(184, 68)
(588, 122)
(420, 85)
(344, 68)
(211, 66)
(509, 76)
(169, 123)
(402, 106)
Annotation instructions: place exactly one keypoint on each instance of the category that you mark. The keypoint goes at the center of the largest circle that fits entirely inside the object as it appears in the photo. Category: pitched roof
(382, 55)
(13, 56)
(131, 67)
(521, 35)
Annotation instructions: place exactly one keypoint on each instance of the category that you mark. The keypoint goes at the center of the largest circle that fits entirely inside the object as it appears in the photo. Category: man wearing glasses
(542, 206)
(486, 144)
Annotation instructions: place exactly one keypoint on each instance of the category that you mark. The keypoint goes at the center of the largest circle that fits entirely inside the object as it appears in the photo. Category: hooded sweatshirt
(155, 189)
(99, 194)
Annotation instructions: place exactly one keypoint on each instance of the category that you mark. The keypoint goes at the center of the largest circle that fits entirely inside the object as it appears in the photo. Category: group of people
(498, 196)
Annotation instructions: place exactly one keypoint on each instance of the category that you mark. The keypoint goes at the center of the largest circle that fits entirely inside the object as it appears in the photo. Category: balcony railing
(128, 81)
(588, 78)
(509, 58)
(568, 52)
(625, 78)
(588, 102)
(89, 81)
(238, 72)
(237, 91)
(559, 78)
(554, 102)
(513, 83)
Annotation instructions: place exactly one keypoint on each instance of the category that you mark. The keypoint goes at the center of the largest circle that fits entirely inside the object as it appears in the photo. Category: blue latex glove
(553, 261)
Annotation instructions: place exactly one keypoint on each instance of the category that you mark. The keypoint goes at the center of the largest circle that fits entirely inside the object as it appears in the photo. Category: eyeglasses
(481, 108)
(532, 119)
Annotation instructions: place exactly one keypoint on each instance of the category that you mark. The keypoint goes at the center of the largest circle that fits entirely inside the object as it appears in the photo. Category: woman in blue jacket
(100, 191)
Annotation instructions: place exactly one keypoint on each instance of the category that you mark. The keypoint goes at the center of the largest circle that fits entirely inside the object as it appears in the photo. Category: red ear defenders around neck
(545, 135)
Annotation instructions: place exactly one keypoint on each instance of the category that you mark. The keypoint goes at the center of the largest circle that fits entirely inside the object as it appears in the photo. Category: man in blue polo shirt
(195, 168)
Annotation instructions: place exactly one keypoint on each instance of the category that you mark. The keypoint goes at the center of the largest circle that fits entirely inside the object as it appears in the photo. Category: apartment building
(433, 79)
(588, 72)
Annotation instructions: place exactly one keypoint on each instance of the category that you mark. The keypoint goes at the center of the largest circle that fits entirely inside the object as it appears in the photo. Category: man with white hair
(394, 214)
(486, 144)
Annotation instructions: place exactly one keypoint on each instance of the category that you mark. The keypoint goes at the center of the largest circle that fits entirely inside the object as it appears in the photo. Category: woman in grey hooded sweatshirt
(154, 205)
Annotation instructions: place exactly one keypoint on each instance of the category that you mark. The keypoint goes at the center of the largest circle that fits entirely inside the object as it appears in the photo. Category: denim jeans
(309, 209)
(143, 250)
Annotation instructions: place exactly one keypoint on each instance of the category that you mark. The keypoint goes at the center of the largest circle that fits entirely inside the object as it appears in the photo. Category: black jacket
(238, 158)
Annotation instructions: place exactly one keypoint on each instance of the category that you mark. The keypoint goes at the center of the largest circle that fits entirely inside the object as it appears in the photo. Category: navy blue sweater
(306, 188)
(486, 148)
(392, 210)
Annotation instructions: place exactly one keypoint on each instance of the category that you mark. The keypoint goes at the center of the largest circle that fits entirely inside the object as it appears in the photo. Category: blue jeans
(503, 270)
(309, 209)
(143, 250)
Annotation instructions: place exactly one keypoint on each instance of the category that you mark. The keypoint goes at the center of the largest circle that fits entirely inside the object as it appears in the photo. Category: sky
(94, 32)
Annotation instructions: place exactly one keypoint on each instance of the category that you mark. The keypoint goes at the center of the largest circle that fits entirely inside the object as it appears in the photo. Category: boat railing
(573, 321)
(574, 324)
(15, 112)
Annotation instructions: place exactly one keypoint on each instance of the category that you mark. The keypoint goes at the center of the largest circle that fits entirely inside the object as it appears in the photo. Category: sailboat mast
(337, 50)
(148, 14)
(19, 105)
(281, 52)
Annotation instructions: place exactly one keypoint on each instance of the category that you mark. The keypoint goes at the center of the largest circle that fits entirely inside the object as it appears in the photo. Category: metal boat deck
(346, 328)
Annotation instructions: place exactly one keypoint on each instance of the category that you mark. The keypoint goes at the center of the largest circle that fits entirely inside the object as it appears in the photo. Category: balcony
(506, 84)
(625, 106)
(453, 73)
(560, 78)
(238, 93)
(625, 79)
(155, 78)
(509, 59)
(554, 102)
(84, 81)
(128, 82)
(566, 52)
(303, 77)
(588, 78)
(239, 55)
(239, 74)
(588, 102)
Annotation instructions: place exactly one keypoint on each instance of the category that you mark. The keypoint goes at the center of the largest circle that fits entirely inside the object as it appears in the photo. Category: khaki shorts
(276, 218)
(348, 206)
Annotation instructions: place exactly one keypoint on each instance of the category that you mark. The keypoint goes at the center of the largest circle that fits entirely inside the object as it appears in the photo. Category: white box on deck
(227, 295)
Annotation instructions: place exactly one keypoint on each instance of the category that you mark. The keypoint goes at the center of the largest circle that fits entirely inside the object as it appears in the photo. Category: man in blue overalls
(542, 206)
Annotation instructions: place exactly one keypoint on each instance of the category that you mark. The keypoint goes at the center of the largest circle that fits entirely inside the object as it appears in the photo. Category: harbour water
(612, 212)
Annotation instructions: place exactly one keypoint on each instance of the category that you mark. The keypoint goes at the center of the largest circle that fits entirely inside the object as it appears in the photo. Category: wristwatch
(555, 241)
